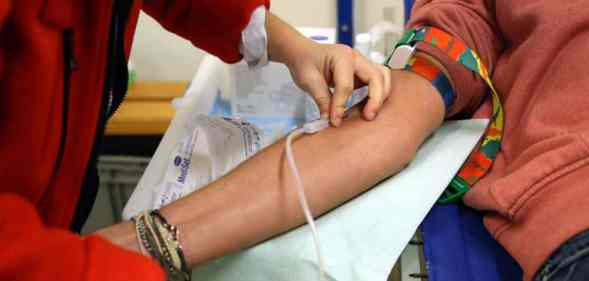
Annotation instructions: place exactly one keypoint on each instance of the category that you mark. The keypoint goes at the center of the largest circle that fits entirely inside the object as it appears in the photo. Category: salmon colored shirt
(536, 195)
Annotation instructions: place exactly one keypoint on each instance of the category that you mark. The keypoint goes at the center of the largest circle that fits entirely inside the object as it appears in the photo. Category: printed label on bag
(213, 148)
(182, 161)
(177, 173)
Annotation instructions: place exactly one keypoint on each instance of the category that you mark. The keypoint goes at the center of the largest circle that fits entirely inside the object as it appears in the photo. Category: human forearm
(258, 200)
(283, 40)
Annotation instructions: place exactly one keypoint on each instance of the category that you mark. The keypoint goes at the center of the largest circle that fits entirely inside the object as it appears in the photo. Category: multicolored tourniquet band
(480, 160)
(427, 70)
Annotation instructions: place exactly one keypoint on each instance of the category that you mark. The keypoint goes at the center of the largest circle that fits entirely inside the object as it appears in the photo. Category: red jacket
(62, 73)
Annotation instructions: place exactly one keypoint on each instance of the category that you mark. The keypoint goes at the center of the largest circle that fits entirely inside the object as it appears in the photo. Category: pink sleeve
(472, 21)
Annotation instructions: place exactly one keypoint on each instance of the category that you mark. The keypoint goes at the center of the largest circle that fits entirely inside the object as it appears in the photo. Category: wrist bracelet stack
(160, 240)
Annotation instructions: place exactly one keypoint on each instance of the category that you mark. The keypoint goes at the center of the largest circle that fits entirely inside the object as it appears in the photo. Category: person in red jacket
(63, 73)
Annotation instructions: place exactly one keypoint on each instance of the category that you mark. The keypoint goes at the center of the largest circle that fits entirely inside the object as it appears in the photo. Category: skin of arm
(258, 199)
(316, 67)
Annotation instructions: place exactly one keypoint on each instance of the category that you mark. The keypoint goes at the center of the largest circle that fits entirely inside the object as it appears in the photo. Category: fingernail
(339, 116)
(335, 120)
(371, 115)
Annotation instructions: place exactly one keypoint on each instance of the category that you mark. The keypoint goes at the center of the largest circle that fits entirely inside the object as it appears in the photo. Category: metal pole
(345, 22)
(408, 4)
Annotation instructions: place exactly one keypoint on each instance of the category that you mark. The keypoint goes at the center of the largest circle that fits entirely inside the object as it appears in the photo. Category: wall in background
(161, 55)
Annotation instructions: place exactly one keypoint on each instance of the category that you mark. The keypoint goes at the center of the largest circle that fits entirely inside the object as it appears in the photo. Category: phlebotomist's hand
(317, 67)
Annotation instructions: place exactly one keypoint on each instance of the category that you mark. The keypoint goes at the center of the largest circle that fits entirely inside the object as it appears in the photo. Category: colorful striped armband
(426, 69)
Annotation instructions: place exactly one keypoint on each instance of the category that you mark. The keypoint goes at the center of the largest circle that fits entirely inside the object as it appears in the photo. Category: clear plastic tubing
(309, 128)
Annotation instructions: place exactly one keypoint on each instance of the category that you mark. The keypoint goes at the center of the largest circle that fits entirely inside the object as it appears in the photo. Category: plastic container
(363, 44)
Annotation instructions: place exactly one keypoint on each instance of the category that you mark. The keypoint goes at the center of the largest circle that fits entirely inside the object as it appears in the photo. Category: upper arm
(473, 22)
(212, 25)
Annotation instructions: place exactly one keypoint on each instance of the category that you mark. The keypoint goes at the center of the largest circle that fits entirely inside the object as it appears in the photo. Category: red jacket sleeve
(31, 251)
(212, 25)
(472, 21)
(4, 9)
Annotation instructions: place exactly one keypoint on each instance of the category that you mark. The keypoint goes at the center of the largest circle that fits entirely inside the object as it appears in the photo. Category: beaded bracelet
(160, 240)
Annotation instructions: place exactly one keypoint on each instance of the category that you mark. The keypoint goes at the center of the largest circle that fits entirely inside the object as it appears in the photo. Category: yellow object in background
(147, 108)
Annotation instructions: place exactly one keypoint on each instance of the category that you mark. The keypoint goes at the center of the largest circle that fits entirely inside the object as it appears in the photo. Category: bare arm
(258, 200)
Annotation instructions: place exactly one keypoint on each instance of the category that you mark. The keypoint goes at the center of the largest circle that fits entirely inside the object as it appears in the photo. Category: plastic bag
(211, 147)
(266, 97)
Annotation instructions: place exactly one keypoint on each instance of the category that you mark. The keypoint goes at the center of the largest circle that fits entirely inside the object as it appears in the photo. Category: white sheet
(362, 239)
